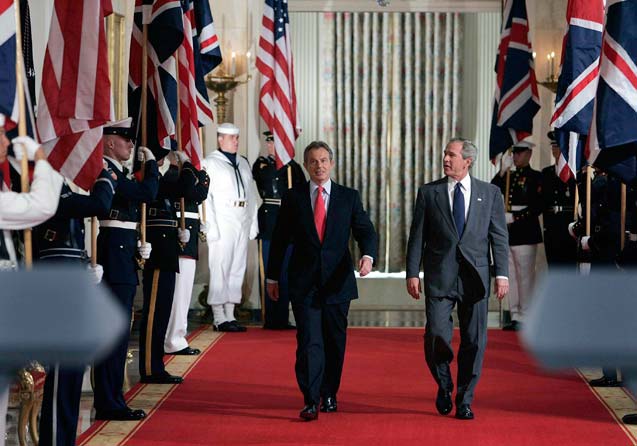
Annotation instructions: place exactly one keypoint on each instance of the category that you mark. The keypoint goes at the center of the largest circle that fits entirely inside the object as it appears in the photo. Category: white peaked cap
(524, 144)
(227, 128)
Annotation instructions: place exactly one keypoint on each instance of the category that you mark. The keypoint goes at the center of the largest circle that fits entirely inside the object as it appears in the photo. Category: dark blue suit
(321, 280)
(116, 252)
(61, 240)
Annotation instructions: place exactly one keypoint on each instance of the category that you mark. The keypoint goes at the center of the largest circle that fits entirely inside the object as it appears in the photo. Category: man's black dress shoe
(463, 412)
(513, 326)
(309, 412)
(329, 404)
(443, 402)
(240, 328)
(226, 326)
(165, 378)
(631, 418)
(605, 382)
(186, 351)
(126, 414)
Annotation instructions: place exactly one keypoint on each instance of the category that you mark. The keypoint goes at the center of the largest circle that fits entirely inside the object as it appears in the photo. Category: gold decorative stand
(221, 83)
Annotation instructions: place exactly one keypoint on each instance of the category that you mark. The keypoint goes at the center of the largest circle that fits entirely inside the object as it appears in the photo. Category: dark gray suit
(456, 270)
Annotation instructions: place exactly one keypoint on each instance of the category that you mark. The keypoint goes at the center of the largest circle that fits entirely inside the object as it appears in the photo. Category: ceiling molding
(395, 6)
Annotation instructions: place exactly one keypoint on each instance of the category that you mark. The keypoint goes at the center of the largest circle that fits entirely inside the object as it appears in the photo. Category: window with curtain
(390, 92)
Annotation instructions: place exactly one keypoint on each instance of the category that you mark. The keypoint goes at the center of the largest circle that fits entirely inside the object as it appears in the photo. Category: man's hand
(508, 216)
(28, 145)
(507, 163)
(501, 288)
(413, 287)
(364, 266)
(144, 154)
(144, 249)
(183, 235)
(273, 291)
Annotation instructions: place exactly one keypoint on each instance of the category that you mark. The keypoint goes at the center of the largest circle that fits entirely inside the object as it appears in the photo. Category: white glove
(506, 164)
(571, 231)
(181, 157)
(22, 143)
(509, 218)
(584, 243)
(204, 227)
(96, 273)
(144, 154)
(183, 235)
(144, 249)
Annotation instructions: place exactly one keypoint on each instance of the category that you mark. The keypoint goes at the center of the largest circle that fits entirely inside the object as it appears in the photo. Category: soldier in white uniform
(24, 210)
(231, 212)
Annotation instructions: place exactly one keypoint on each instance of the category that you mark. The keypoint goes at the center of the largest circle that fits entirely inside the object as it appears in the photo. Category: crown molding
(395, 6)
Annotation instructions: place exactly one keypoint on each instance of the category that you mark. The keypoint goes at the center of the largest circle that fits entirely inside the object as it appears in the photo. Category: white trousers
(521, 279)
(4, 408)
(178, 322)
(227, 259)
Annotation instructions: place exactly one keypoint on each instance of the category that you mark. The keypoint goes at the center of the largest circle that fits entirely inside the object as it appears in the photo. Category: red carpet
(243, 392)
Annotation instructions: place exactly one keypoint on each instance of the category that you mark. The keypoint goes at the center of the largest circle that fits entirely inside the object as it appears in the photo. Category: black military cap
(123, 128)
(268, 136)
(552, 137)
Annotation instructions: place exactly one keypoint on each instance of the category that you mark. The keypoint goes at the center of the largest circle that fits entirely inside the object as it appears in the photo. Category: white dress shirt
(327, 189)
(465, 187)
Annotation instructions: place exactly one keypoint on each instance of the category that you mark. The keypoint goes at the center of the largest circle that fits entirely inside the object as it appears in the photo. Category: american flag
(612, 142)
(207, 55)
(277, 99)
(75, 100)
(516, 98)
(577, 83)
(165, 34)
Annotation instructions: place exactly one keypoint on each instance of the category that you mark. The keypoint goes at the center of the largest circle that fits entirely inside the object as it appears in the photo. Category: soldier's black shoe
(186, 351)
(226, 326)
(329, 404)
(443, 402)
(631, 418)
(164, 378)
(605, 382)
(464, 412)
(239, 328)
(126, 414)
(309, 413)
(513, 326)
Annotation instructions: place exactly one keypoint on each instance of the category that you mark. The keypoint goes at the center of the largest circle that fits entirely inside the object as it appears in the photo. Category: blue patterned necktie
(458, 208)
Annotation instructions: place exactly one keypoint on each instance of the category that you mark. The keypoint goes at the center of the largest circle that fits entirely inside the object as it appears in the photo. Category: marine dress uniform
(61, 240)
(272, 183)
(160, 271)
(558, 202)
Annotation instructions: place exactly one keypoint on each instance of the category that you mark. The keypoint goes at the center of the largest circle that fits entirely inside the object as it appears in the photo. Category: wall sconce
(551, 78)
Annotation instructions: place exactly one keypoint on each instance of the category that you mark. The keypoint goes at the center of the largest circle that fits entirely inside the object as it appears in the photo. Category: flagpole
(180, 147)
(507, 188)
(22, 128)
(589, 174)
(93, 241)
(576, 202)
(622, 235)
(203, 151)
(144, 119)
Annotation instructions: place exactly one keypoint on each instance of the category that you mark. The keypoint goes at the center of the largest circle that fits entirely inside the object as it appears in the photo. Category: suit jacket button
(121, 246)
(163, 235)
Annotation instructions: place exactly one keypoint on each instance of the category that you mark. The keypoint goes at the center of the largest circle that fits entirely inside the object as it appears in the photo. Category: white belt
(193, 215)
(237, 203)
(118, 224)
(276, 201)
(516, 208)
(632, 237)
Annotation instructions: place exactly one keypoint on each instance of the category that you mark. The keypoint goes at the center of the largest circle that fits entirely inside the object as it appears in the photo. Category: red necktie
(319, 213)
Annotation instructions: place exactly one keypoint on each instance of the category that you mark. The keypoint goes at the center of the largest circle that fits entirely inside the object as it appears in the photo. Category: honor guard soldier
(558, 199)
(176, 343)
(118, 251)
(23, 210)
(523, 205)
(602, 247)
(160, 270)
(61, 240)
(272, 183)
(231, 212)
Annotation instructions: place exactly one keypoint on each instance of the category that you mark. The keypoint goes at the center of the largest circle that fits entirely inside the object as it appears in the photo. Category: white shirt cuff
(502, 277)
(369, 257)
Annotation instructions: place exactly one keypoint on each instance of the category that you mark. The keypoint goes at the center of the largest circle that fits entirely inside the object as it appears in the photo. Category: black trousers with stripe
(159, 288)
(61, 406)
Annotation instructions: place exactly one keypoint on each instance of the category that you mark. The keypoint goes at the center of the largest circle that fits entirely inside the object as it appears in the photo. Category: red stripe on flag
(620, 63)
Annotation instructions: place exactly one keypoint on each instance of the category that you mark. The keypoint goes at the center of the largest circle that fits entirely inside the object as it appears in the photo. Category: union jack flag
(207, 55)
(613, 133)
(577, 83)
(277, 99)
(164, 20)
(516, 98)
(75, 100)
